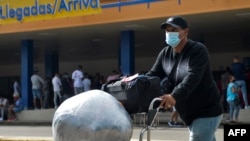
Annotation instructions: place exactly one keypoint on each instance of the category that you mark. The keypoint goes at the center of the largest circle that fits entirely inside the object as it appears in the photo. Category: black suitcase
(134, 92)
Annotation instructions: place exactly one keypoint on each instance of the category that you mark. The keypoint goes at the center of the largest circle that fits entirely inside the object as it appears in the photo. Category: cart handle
(151, 106)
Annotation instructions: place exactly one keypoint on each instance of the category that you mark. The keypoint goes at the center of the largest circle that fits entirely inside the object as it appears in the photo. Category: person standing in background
(174, 118)
(57, 88)
(86, 82)
(115, 75)
(239, 71)
(224, 82)
(46, 93)
(77, 77)
(4, 104)
(37, 86)
(232, 96)
(67, 90)
(16, 86)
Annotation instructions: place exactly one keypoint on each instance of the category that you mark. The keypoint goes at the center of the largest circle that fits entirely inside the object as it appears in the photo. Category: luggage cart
(152, 113)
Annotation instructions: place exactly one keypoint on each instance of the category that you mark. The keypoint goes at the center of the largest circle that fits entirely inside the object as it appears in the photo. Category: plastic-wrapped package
(91, 116)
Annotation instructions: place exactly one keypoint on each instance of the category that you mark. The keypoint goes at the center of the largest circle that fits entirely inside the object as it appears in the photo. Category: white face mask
(172, 38)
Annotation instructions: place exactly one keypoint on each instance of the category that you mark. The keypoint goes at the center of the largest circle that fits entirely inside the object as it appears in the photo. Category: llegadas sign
(12, 11)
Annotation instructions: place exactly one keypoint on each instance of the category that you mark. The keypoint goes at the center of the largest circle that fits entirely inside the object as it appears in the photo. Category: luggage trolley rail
(152, 113)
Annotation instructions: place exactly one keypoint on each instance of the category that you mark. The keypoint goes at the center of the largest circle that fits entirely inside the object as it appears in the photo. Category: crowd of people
(50, 92)
(62, 86)
(234, 84)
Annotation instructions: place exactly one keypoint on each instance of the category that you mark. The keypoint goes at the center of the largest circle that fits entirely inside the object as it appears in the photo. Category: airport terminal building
(102, 35)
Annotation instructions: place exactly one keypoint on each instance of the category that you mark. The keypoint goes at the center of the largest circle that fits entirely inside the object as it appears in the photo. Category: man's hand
(167, 101)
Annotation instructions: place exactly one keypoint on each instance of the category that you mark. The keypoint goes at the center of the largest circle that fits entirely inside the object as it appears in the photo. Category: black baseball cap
(175, 21)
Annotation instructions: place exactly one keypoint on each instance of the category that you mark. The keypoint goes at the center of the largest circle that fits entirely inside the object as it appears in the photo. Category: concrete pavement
(43, 133)
(40, 130)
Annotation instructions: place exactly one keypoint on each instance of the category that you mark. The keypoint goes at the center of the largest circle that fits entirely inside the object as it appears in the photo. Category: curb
(4, 138)
(25, 123)
(37, 139)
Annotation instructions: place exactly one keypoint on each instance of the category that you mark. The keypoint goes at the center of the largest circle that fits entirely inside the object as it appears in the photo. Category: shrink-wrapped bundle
(91, 116)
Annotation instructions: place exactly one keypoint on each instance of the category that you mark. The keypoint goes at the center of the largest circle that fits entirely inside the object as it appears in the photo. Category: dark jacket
(196, 92)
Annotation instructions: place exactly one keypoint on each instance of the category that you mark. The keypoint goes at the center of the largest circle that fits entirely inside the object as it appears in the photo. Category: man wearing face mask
(194, 93)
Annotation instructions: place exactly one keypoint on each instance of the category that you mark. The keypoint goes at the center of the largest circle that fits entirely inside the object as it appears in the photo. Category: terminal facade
(102, 35)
